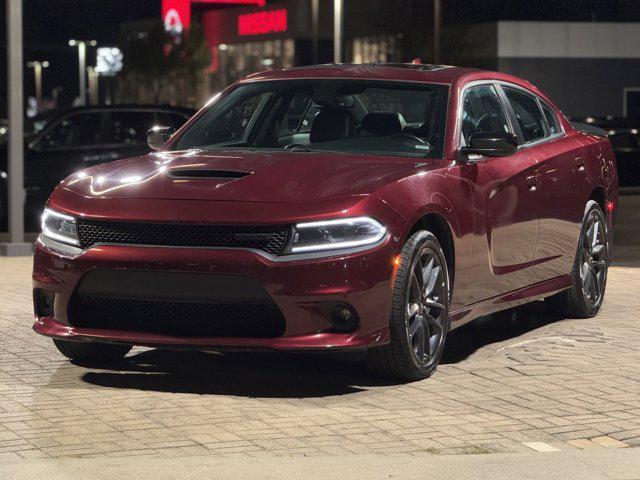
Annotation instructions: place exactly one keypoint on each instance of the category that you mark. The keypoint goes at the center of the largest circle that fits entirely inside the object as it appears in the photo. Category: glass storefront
(237, 61)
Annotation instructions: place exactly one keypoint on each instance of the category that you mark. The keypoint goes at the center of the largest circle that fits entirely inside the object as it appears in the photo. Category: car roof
(444, 74)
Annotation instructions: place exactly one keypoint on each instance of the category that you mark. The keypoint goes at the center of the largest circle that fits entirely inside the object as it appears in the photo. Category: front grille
(175, 303)
(176, 318)
(270, 239)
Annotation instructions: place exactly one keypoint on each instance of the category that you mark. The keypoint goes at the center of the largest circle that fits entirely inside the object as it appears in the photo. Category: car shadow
(245, 374)
(285, 375)
(498, 327)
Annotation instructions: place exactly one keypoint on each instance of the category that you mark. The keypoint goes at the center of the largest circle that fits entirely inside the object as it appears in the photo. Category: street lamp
(37, 70)
(437, 21)
(338, 27)
(82, 63)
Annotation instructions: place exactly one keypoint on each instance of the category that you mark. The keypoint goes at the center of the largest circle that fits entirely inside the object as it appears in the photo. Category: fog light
(43, 302)
(344, 314)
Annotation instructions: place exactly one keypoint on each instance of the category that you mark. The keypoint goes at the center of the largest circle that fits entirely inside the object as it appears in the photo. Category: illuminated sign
(261, 23)
(108, 61)
(258, 3)
(176, 15)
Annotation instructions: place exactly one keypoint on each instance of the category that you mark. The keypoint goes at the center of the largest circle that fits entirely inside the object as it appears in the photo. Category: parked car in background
(625, 140)
(626, 146)
(608, 121)
(79, 138)
(332, 208)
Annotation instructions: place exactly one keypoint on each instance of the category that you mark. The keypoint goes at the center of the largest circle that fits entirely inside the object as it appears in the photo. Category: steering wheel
(486, 116)
(409, 136)
(291, 146)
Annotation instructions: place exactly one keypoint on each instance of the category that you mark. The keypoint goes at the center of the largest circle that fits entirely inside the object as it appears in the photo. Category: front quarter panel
(437, 188)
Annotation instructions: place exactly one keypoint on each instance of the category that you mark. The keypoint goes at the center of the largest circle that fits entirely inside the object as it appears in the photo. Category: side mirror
(158, 136)
(492, 144)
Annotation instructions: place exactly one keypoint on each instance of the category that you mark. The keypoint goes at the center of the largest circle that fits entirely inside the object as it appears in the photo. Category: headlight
(60, 227)
(336, 234)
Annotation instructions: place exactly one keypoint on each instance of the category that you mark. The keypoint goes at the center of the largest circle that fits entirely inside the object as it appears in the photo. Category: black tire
(576, 302)
(400, 359)
(92, 353)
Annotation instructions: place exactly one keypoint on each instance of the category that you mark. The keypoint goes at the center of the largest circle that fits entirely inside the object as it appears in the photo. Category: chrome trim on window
(499, 83)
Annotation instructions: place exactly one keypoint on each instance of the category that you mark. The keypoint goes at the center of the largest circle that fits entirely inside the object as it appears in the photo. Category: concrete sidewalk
(584, 465)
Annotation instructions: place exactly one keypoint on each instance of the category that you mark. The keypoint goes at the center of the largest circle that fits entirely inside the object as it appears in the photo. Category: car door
(67, 145)
(560, 169)
(505, 199)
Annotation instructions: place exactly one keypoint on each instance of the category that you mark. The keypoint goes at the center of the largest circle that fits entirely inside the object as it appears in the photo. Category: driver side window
(482, 112)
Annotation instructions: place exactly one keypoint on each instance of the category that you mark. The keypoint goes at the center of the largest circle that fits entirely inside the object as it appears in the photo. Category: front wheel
(92, 353)
(419, 314)
(590, 269)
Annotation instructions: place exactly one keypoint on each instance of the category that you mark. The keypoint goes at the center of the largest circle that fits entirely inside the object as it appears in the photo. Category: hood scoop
(228, 175)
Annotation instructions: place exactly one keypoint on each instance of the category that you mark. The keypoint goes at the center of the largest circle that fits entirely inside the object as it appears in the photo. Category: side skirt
(512, 299)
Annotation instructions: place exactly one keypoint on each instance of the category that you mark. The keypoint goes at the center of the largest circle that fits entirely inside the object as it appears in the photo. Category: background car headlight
(336, 234)
(60, 227)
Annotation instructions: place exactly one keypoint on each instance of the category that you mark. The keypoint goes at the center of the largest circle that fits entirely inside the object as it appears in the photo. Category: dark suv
(79, 138)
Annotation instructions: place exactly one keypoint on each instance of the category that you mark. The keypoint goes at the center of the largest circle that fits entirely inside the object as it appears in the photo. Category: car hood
(238, 175)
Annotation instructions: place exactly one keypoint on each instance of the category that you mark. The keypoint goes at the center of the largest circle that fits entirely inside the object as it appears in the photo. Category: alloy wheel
(593, 260)
(426, 295)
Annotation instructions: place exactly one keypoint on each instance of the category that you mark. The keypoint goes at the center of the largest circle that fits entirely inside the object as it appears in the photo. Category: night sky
(49, 24)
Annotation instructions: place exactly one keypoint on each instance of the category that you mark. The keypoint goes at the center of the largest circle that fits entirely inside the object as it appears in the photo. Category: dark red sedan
(350, 207)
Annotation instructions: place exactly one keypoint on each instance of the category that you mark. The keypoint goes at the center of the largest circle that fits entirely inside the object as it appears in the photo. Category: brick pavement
(514, 382)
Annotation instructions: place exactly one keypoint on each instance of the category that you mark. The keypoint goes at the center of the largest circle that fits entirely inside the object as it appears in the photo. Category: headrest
(382, 124)
(331, 124)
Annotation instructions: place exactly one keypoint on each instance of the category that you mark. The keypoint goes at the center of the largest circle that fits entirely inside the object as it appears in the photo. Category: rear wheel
(590, 268)
(419, 314)
(85, 352)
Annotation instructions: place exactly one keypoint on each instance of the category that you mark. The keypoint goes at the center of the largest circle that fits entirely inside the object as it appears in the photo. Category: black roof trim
(427, 67)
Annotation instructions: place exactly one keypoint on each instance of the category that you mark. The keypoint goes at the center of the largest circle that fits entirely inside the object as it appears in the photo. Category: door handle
(532, 182)
(580, 163)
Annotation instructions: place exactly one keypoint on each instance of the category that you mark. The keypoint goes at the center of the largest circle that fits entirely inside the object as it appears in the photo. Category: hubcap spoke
(433, 303)
(595, 283)
(414, 326)
(420, 337)
(412, 309)
(597, 250)
(427, 271)
(594, 235)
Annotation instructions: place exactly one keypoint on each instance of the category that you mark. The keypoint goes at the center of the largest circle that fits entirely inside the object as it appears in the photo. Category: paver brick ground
(513, 382)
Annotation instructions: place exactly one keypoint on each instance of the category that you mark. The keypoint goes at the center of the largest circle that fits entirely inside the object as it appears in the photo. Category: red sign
(259, 3)
(261, 23)
(176, 15)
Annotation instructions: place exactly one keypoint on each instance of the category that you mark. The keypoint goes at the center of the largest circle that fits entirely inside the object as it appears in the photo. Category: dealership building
(588, 68)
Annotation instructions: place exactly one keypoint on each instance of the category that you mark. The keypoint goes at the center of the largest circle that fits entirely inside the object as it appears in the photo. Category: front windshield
(351, 116)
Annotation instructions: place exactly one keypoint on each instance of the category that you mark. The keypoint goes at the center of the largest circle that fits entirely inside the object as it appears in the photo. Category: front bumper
(362, 280)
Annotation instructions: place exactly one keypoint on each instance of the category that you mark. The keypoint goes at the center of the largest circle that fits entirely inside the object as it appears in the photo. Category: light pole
(93, 86)
(338, 24)
(315, 13)
(82, 64)
(15, 190)
(437, 14)
(37, 70)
